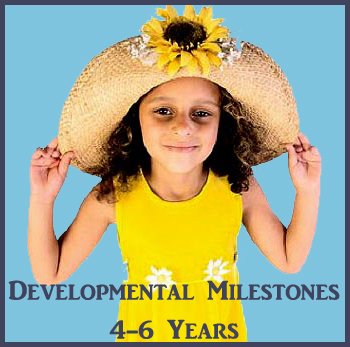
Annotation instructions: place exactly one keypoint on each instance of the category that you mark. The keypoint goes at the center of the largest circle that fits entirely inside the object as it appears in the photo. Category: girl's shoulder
(102, 207)
(254, 196)
(220, 187)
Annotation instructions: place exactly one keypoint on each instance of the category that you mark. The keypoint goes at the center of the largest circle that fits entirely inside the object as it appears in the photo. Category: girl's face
(179, 123)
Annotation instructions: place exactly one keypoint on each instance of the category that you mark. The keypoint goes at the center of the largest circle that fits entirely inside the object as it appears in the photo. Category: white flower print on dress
(161, 276)
(215, 270)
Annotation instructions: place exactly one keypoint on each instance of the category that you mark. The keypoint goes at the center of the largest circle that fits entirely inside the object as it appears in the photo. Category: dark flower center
(187, 34)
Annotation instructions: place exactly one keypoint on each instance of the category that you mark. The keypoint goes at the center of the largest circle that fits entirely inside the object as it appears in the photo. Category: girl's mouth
(181, 148)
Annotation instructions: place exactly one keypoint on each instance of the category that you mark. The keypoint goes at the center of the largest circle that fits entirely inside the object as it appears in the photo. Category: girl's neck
(172, 186)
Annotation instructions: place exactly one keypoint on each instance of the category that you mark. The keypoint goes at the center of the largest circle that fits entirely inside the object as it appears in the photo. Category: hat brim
(113, 81)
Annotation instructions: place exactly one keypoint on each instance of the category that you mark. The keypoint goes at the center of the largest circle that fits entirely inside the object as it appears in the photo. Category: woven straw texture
(114, 80)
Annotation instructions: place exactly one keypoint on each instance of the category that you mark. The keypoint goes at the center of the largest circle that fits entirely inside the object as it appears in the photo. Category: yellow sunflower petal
(174, 48)
(218, 33)
(192, 65)
(213, 25)
(162, 12)
(163, 60)
(168, 13)
(214, 59)
(173, 55)
(205, 15)
(211, 46)
(164, 24)
(153, 27)
(203, 61)
(189, 12)
(185, 58)
(174, 67)
(155, 42)
(162, 49)
(172, 12)
(158, 41)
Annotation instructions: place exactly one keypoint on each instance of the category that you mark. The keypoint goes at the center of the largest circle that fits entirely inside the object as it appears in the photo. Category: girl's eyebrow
(196, 101)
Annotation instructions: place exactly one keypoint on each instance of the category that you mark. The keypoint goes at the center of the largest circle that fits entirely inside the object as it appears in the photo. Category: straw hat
(178, 46)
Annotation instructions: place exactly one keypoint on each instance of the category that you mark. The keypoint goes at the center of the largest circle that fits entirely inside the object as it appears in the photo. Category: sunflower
(190, 41)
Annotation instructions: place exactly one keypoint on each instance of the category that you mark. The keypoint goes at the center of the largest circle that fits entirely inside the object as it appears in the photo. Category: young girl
(173, 121)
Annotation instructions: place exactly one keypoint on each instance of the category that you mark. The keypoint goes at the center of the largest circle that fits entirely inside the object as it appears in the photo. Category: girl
(175, 151)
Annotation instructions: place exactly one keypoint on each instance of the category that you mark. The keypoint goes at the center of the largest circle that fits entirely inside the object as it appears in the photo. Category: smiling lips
(181, 148)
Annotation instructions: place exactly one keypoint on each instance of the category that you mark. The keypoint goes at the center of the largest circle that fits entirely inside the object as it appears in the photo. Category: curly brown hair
(237, 137)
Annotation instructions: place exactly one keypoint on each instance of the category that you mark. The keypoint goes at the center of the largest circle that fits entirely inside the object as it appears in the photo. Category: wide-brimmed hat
(178, 46)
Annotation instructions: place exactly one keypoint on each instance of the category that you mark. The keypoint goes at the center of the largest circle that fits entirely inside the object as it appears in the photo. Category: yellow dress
(181, 244)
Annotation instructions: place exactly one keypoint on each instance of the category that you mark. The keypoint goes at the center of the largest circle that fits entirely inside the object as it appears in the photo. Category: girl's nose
(182, 125)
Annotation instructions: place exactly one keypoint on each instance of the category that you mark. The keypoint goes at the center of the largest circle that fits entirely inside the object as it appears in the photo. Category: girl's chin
(182, 169)
(187, 171)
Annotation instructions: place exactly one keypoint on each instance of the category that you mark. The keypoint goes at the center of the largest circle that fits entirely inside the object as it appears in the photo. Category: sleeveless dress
(185, 244)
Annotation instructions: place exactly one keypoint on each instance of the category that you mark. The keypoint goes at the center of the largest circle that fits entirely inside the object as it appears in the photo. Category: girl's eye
(201, 114)
(163, 111)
